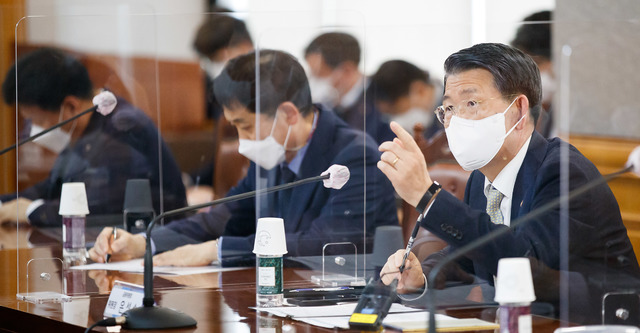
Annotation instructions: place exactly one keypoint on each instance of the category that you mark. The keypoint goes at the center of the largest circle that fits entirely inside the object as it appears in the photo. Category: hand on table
(125, 247)
(410, 279)
(9, 208)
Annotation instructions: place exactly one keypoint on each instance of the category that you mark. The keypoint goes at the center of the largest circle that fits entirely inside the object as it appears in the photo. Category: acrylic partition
(316, 109)
(595, 108)
(69, 59)
(296, 114)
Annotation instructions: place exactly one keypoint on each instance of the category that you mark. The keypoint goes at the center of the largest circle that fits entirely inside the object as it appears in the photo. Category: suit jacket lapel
(523, 189)
(313, 164)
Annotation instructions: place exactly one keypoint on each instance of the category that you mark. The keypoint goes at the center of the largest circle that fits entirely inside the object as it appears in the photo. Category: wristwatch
(426, 198)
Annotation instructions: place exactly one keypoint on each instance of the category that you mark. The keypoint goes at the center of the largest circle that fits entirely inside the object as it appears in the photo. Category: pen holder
(269, 246)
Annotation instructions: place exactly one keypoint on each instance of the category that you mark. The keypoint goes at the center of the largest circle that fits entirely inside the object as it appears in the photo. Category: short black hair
(335, 48)
(219, 31)
(45, 77)
(282, 79)
(513, 71)
(534, 38)
(394, 78)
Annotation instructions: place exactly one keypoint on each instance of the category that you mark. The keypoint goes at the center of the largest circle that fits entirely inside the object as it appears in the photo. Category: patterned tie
(493, 205)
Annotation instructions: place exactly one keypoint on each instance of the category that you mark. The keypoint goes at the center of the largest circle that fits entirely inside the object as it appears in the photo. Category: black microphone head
(137, 196)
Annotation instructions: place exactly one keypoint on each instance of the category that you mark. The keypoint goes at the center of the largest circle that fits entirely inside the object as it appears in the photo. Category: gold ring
(395, 161)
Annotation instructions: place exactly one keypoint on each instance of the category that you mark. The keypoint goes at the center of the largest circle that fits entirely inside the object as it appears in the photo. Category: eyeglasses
(467, 108)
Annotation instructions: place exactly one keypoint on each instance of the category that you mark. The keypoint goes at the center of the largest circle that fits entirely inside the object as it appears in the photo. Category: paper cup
(270, 239)
(73, 200)
(514, 283)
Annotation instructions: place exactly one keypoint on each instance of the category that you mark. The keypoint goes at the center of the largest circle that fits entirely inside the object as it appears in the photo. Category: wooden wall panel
(610, 155)
(11, 11)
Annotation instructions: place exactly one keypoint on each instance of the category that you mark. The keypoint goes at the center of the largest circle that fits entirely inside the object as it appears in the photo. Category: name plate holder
(334, 267)
(44, 282)
(124, 296)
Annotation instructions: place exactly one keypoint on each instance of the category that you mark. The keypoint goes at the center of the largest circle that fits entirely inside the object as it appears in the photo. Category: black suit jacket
(592, 236)
(314, 215)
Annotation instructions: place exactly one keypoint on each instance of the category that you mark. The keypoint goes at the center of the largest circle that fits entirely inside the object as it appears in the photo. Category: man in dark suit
(337, 83)
(490, 105)
(103, 152)
(287, 138)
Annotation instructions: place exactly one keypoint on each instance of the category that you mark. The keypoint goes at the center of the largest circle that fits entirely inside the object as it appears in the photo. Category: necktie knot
(494, 198)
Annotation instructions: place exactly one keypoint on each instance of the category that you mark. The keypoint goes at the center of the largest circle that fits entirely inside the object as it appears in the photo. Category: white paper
(136, 266)
(331, 316)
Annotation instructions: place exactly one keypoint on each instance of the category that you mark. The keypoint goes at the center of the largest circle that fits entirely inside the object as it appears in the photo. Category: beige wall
(604, 85)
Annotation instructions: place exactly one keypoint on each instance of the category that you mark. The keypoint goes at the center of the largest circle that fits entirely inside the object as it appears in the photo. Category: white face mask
(323, 92)
(413, 116)
(213, 68)
(548, 85)
(474, 143)
(266, 153)
(56, 140)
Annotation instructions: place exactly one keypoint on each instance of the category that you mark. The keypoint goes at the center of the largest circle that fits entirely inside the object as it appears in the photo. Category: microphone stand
(156, 317)
(431, 277)
(62, 123)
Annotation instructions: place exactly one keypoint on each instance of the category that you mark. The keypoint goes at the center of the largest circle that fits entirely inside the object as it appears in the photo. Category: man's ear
(71, 105)
(523, 109)
(291, 112)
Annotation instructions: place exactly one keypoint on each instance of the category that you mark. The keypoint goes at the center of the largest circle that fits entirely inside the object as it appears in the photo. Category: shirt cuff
(33, 206)
(153, 245)
(220, 250)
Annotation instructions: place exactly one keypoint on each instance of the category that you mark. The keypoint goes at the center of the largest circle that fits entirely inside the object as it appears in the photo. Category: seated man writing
(288, 139)
(490, 106)
(101, 151)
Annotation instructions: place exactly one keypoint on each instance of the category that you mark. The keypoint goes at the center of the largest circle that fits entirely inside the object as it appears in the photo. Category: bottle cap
(514, 283)
(270, 238)
(73, 200)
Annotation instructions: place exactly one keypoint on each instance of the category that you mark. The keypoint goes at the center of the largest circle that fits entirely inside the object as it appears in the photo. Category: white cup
(270, 239)
(514, 283)
(73, 200)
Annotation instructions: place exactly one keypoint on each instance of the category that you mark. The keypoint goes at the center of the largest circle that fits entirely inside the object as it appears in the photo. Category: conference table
(220, 302)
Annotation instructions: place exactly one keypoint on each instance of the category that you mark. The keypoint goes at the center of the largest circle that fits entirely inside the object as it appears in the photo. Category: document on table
(136, 266)
(400, 317)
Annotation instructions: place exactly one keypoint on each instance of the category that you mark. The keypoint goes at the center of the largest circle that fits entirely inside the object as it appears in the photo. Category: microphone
(137, 209)
(155, 317)
(431, 277)
(104, 103)
(634, 161)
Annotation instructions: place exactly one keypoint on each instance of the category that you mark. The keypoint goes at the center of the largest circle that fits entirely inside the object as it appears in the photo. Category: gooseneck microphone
(149, 316)
(431, 277)
(104, 103)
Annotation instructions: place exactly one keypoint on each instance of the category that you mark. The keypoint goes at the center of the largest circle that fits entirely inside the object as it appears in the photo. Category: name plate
(124, 296)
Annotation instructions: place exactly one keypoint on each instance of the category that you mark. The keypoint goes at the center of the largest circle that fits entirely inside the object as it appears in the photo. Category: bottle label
(269, 275)
(515, 318)
(73, 232)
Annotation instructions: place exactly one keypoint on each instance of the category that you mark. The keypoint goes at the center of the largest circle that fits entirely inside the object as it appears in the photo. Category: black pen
(113, 237)
(414, 233)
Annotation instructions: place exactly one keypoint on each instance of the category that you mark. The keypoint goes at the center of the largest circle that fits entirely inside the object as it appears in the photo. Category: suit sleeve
(206, 226)
(458, 224)
(334, 215)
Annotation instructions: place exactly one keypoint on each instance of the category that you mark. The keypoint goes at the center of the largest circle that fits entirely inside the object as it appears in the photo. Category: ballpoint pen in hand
(414, 233)
(113, 237)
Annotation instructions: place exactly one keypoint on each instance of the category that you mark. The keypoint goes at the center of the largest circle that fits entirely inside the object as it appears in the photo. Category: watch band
(433, 189)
